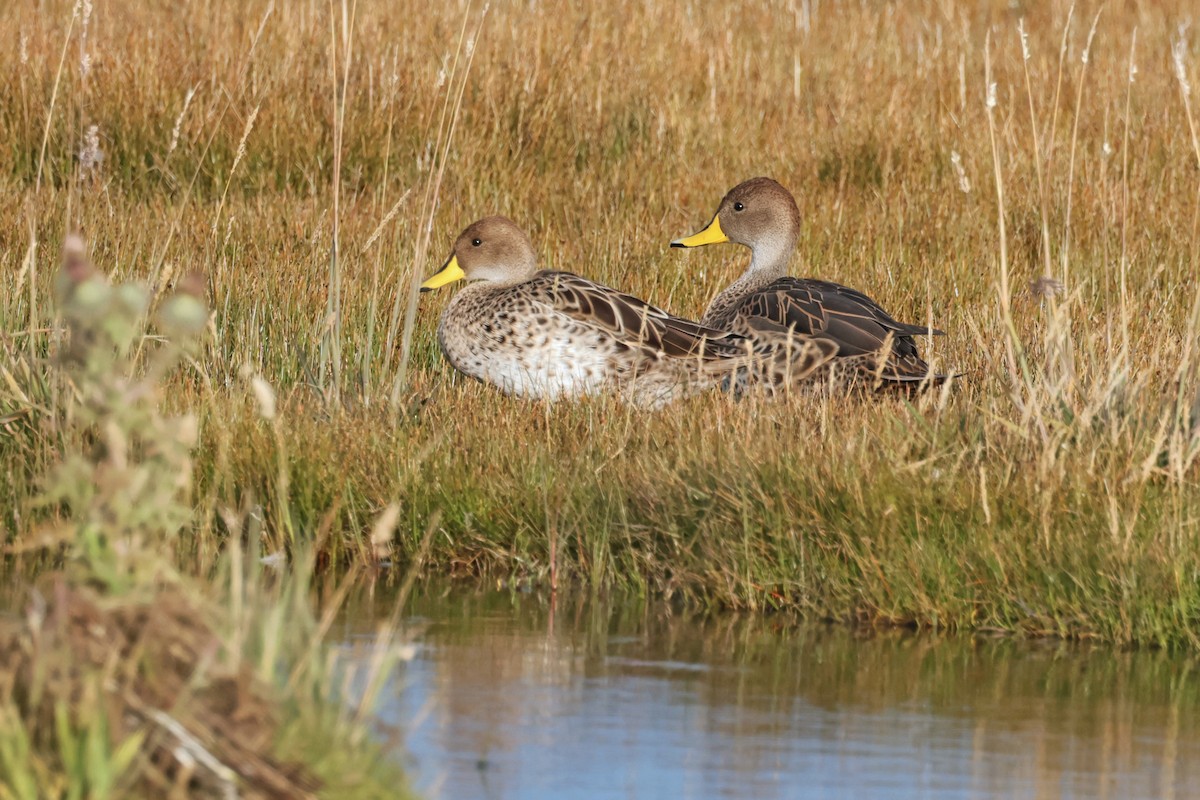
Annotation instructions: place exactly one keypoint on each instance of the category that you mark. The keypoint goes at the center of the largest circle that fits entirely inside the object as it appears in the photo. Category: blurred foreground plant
(123, 677)
(125, 490)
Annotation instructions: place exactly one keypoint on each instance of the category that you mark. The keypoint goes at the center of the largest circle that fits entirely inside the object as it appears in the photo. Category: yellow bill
(710, 235)
(446, 275)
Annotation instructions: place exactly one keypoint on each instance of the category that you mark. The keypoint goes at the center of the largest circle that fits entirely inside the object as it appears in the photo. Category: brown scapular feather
(632, 318)
(858, 325)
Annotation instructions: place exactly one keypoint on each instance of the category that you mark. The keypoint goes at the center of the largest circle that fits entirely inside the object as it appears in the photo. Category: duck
(555, 335)
(766, 302)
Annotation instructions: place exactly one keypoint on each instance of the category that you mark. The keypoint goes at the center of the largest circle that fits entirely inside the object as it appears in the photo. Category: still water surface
(509, 697)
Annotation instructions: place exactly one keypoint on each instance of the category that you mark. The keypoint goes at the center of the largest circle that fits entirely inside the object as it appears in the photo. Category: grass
(316, 160)
(121, 676)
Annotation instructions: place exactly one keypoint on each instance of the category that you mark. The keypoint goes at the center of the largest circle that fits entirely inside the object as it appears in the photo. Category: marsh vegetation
(1025, 177)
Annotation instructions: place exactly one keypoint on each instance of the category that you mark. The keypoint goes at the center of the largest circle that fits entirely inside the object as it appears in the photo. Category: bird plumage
(553, 334)
(766, 303)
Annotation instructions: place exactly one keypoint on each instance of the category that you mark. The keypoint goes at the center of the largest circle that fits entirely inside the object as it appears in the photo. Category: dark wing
(632, 320)
(855, 322)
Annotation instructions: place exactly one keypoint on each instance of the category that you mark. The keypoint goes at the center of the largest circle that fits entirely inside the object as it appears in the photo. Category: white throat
(771, 255)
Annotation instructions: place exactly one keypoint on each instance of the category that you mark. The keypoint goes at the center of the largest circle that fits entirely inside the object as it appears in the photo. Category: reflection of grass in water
(1063, 710)
(1052, 491)
(744, 655)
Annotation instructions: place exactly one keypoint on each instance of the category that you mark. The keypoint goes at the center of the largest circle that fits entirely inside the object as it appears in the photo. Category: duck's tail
(782, 364)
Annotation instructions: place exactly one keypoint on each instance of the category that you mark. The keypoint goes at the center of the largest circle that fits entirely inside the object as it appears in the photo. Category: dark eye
(476, 242)
(738, 206)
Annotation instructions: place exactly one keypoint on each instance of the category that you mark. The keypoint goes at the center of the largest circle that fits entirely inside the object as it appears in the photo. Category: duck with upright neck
(766, 302)
(555, 335)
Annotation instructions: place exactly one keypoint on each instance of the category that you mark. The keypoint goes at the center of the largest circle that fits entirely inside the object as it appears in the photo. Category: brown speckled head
(757, 209)
(758, 213)
(492, 249)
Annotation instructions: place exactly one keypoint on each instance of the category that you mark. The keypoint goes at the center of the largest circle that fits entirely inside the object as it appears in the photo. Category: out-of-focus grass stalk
(1078, 112)
(433, 189)
(331, 339)
(1125, 211)
(1037, 147)
(1013, 349)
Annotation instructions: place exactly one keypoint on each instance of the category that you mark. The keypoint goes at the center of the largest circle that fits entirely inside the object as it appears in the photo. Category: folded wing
(858, 325)
(631, 320)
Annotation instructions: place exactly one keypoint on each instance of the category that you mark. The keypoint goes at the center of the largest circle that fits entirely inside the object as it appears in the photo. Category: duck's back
(559, 335)
(858, 325)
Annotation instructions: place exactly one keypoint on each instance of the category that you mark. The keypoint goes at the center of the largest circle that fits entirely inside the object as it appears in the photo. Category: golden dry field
(1022, 175)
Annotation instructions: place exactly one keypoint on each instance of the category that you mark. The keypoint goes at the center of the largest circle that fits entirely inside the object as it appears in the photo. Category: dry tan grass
(1053, 490)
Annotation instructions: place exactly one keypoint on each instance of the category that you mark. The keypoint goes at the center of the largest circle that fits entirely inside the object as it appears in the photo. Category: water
(507, 697)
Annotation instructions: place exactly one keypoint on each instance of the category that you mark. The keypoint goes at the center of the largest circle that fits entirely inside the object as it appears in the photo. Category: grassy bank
(120, 676)
(1053, 490)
